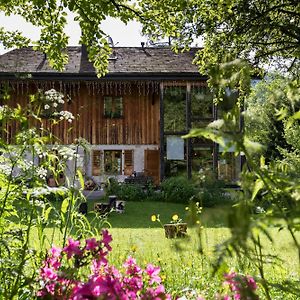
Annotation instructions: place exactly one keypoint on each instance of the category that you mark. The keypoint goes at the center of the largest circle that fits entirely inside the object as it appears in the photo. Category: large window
(110, 162)
(201, 103)
(113, 162)
(174, 109)
(113, 107)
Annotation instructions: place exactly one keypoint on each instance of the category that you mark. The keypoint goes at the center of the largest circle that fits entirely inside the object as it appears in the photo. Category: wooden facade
(128, 116)
(138, 125)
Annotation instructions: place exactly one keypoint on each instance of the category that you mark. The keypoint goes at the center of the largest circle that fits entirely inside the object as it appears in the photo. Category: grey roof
(124, 60)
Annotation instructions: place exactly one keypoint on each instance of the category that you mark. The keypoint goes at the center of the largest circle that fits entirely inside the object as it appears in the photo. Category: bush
(212, 193)
(124, 191)
(178, 189)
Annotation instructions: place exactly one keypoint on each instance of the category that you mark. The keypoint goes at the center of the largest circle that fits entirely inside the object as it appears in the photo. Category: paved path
(93, 195)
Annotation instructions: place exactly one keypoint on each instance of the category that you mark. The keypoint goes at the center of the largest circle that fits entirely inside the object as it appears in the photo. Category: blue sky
(122, 35)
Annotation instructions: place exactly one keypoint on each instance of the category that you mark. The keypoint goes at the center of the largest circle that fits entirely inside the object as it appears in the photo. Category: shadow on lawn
(138, 215)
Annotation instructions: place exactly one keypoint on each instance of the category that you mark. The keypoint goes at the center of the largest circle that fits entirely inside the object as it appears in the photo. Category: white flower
(46, 106)
(55, 104)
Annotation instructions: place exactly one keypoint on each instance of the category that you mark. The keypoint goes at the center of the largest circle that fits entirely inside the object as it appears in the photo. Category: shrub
(124, 191)
(178, 189)
(213, 193)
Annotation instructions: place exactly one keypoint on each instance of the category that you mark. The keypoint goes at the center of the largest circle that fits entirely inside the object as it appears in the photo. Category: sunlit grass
(183, 266)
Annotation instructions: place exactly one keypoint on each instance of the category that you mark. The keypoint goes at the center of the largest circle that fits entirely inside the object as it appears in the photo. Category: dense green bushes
(174, 189)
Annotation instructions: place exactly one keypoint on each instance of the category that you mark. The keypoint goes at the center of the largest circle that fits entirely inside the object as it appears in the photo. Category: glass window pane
(228, 167)
(201, 102)
(107, 106)
(118, 107)
(174, 108)
(202, 160)
(113, 162)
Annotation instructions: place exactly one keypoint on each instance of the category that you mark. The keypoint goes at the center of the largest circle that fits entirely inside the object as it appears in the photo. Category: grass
(183, 266)
(138, 214)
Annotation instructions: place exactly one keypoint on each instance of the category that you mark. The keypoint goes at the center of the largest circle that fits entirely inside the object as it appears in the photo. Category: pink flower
(153, 272)
(106, 239)
(131, 266)
(55, 251)
(91, 244)
(72, 248)
(48, 273)
(251, 283)
(53, 262)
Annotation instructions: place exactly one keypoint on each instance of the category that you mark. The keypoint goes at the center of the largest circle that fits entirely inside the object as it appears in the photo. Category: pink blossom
(104, 281)
(106, 239)
(251, 283)
(53, 262)
(55, 251)
(153, 272)
(91, 244)
(237, 296)
(72, 248)
(48, 273)
(131, 266)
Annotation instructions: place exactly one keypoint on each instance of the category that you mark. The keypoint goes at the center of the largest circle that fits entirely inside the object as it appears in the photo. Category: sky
(122, 35)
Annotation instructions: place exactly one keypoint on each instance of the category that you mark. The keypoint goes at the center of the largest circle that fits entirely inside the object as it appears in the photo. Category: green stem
(72, 198)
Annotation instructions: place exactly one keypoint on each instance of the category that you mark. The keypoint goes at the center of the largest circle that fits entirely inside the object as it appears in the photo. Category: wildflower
(175, 218)
(106, 239)
(153, 272)
(91, 244)
(48, 273)
(72, 248)
(153, 218)
(131, 266)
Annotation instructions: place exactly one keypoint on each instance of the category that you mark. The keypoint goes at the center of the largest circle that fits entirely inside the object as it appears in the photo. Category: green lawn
(183, 267)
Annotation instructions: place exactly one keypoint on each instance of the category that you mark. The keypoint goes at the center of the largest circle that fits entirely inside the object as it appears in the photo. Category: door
(151, 165)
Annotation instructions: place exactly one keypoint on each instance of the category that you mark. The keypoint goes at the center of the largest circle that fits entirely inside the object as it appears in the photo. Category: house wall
(137, 130)
(138, 126)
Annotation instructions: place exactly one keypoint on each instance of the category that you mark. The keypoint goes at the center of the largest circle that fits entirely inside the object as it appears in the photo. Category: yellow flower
(186, 208)
(133, 248)
(175, 218)
(153, 218)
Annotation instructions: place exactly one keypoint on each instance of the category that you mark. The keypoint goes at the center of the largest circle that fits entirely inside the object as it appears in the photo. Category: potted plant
(176, 228)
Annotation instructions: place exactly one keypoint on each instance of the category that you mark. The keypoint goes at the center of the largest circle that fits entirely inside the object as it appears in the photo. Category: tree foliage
(51, 18)
(263, 32)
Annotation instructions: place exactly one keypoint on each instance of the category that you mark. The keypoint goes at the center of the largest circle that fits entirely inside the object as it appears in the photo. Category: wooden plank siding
(138, 125)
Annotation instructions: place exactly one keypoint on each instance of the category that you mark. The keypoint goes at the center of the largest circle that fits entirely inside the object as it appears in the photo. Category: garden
(239, 244)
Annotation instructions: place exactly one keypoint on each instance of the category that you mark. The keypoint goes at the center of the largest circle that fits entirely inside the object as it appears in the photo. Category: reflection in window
(113, 162)
(113, 107)
(228, 167)
(201, 102)
(96, 162)
(202, 160)
(174, 108)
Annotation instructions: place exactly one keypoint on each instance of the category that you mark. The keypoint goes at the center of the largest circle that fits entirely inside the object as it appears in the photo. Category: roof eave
(110, 76)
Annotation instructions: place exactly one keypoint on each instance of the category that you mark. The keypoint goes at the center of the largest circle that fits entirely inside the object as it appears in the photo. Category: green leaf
(259, 184)
(64, 205)
(47, 212)
(81, 179)
(253, 147)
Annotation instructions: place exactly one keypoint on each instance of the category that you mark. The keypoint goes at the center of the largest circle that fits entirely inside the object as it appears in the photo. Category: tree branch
(119, 6)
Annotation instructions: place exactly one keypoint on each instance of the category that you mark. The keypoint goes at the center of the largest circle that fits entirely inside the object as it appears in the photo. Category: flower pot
(175, 230)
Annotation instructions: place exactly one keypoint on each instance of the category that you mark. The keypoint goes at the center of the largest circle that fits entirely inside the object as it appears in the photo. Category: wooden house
(133, 117)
